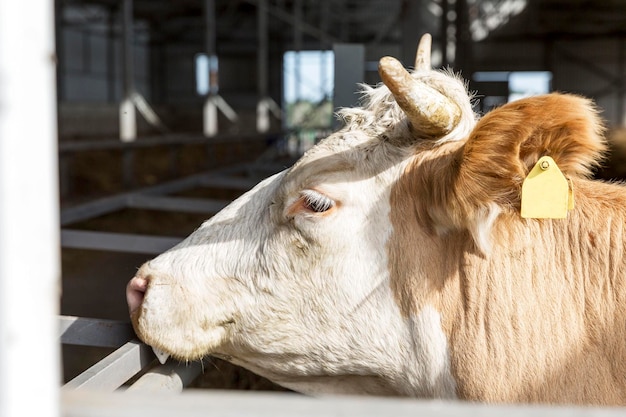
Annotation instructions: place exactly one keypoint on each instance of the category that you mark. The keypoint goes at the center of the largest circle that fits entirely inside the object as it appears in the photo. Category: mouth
(184, 346)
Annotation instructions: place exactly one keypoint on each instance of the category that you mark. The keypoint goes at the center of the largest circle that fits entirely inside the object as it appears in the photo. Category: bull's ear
(487, 172)
(508, 142)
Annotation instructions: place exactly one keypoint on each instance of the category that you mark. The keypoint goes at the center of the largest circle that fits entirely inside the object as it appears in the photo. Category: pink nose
(135, 292)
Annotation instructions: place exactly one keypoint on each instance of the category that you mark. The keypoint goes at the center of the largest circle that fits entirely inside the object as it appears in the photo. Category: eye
(314, 201)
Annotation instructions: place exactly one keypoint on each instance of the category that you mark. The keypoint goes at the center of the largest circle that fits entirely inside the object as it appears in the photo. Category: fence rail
(130, 358)
(94, 332)
(192, 403)
(66, 147)
(101, 391)
(172, 142)
(238, 177)
(133, 360)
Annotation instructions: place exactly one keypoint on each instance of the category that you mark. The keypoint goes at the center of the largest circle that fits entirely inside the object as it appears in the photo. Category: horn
(422, 58)
(429, 111)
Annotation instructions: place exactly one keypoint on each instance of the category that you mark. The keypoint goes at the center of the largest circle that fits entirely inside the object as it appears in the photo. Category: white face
(290, 280)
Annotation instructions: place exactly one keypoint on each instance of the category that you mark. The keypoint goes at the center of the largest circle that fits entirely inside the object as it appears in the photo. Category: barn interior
(196, 100)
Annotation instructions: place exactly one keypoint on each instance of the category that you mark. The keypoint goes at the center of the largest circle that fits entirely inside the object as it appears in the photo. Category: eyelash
(316, 202)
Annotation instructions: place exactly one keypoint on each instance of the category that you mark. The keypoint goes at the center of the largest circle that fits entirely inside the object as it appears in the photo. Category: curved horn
(422, 58)
(429, 111)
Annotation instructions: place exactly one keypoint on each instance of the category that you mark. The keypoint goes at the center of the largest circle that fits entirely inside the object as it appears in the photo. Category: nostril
(135, 292)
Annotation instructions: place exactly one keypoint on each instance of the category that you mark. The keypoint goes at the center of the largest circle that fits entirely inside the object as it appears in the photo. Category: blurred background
(283, 50)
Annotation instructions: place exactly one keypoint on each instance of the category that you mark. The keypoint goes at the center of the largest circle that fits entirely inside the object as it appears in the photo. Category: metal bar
(191, 181)
(344, 12)
(110, 54)
(297, 46)
(128, 168)
(443, 34)
(128, 123)
(225, 108)
(171, 377)
(310, 30)
(110, 204)
(266, 169)
(196, 403)
(209, 26)
(162, 140)
(262, 111)
(116, 242)
(114, 370)
(209, 111)
(94, 332)
(209, 116)
(29, 218)
(148, 113)
(324, 23)
(464, 59)
(243, 184)
(216, 178)
(178, 204)
(127, 48)
(93, 209)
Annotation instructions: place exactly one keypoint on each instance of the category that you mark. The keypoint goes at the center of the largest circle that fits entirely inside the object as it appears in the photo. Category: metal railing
(130, 356)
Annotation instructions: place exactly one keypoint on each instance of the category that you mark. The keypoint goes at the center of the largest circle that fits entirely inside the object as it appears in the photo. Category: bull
(392, 258)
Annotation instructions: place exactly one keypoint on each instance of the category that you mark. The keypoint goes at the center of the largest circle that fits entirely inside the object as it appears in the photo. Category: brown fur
(504, 146)
(541, 317)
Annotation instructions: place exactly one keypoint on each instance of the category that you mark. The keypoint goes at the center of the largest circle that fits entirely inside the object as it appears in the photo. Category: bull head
(291, 280)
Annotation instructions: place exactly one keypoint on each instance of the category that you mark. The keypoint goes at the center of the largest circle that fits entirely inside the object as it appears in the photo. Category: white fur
(304, 298)
(481, 227)
(431, 347)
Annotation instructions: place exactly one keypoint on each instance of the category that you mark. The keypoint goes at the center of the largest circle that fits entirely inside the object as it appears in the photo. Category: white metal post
(209, 110)
(128, 122)
(297, 45)
(262, 109)
(29, 218)
(209, 117)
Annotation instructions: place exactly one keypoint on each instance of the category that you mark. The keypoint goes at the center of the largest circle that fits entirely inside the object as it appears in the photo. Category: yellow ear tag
(546, 193)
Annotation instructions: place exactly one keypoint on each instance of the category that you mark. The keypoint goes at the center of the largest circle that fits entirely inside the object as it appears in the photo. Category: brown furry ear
(474, 184)
(507, 142)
